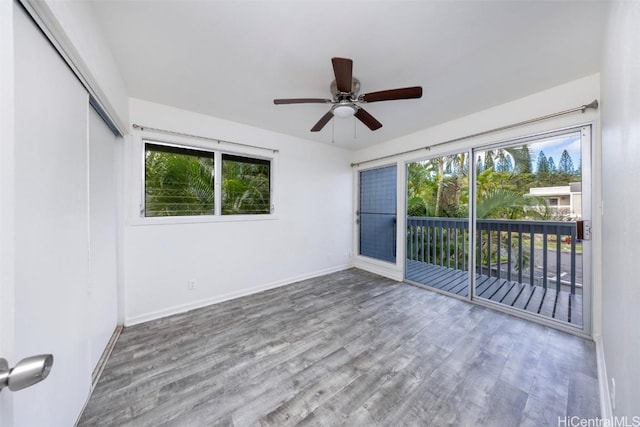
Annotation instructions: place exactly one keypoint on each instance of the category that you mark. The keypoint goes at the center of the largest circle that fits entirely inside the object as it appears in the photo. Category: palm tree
(178, 184)
(245, 188)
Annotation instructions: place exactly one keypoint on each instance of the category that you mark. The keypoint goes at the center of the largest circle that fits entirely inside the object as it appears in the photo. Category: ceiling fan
(346, 101)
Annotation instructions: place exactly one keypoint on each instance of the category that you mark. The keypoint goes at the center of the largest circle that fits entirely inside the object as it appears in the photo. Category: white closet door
(103, 228)
(51, 228)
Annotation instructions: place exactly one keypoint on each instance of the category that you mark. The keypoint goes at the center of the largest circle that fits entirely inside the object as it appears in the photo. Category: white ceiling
(230, 59)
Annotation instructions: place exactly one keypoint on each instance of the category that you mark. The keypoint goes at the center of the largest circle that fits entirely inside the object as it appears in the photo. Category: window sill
(200, 219)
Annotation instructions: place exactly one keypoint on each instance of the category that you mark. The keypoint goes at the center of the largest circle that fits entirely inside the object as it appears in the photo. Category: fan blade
(302, 101)
(343, 70)
(323, 121)
(391, 94)
(368, 119)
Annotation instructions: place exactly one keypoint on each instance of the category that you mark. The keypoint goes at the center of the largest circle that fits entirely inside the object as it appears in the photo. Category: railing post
(573, 259)
(532, 253)
(464, 249)
(544, 256)
(499, 257)
(455, 252)
(479, 248)
(520, 254)
(423, 229)
(558, 258)
(489, 249)
(509, 249)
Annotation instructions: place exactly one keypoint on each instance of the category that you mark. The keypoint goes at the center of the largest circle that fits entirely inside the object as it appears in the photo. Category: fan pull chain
(355, 133)
(333, 131)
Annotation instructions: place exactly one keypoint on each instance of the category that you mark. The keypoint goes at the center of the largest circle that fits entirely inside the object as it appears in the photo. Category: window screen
(377, 213)
(178, 181)
(246, 185)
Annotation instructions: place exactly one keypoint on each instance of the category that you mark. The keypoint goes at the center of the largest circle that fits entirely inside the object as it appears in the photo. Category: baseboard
(606, 411)
(95, 376)
(134, 320)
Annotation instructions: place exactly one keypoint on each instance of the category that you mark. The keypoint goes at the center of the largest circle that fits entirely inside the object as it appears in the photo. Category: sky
(553, 147)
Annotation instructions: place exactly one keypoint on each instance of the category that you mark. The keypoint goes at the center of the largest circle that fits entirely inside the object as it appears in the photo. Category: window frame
(178, 150)
(217, 151)
(255, 161)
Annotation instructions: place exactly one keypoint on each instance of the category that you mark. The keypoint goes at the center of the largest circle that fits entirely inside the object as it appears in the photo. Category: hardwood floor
(350, 348)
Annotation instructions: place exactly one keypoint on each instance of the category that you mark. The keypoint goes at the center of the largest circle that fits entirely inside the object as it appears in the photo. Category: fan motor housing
(339, 96)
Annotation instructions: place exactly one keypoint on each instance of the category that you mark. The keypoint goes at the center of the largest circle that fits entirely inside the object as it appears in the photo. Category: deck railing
(515, 250)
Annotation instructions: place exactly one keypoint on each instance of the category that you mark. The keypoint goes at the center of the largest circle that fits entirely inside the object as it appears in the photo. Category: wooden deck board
(513, 294)
(523, 299)
(481, 287)
(561, 306)
(549, 303)
(535, 302)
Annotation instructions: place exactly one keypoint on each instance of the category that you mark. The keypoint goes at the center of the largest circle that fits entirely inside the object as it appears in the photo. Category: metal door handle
(26, 373)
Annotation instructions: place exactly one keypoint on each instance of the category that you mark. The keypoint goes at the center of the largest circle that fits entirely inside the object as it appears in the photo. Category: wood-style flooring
(350, 348)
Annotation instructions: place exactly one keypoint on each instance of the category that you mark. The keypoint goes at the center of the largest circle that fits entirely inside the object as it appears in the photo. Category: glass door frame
(587, 186)
(392, 270)
(587, 147)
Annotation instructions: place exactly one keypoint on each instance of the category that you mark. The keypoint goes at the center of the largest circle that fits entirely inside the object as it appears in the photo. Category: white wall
(560, 98)
(309, 235)
(74, 25)
(621, 204)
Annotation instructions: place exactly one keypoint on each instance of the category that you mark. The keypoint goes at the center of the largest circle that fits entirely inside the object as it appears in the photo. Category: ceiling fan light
(344, 111)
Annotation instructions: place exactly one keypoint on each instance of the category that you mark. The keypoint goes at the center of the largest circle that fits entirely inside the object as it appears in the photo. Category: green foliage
(566, 163)
(439, 188)
(178, 184)
(522, 159)
(542, 166)
(245, 188)
(502, 203)
(488, 160)
(504, 162)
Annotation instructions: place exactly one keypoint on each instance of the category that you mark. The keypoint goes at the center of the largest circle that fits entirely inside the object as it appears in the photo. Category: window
(180, 181)
(246, 185)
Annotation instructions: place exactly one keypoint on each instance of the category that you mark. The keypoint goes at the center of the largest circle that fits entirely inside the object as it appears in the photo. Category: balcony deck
(562, 306)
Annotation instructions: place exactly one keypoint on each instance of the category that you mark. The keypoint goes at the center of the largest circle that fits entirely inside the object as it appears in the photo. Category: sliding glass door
(530, 203)
(529, 245)
(437, 234)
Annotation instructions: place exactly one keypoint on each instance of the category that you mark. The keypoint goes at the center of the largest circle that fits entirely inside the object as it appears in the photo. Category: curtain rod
(205, 138)
(593, 105)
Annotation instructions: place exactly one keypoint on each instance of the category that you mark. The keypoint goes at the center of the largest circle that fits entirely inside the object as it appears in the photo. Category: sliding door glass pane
(438, 223)
(529, 197)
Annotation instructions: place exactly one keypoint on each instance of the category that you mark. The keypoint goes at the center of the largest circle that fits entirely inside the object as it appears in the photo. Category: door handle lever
(26, 373)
